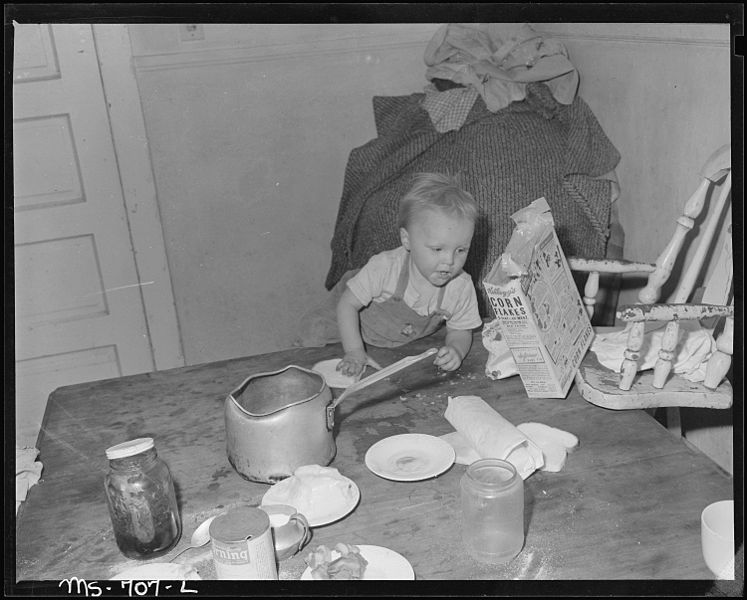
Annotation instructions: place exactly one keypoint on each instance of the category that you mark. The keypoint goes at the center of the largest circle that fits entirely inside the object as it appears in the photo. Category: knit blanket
(505, 159)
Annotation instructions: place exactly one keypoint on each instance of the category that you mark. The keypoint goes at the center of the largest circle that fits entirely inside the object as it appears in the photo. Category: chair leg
(591, 289)
(663, 364)
(674, 423)
(632, 354)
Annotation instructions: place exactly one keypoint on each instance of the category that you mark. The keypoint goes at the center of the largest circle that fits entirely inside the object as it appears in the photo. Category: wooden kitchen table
(626, 505)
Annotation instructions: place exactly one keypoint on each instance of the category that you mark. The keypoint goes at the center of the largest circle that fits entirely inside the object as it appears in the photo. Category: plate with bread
(362, 561)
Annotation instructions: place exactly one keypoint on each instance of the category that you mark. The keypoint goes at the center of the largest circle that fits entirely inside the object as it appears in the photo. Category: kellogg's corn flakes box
(535, 299)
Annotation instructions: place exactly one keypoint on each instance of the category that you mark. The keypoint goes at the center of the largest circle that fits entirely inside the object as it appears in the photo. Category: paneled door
(79, 300)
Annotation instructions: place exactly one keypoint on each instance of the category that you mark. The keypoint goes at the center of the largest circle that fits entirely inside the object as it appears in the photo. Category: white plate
(331, 511)
(410, 457)
(333, 377)
(161, 570)
(383, 563)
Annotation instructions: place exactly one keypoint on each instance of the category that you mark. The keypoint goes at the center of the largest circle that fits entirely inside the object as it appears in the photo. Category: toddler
(409, 292)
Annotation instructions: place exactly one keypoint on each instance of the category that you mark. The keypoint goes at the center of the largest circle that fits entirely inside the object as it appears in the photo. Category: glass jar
(142, 500)
(493, 511)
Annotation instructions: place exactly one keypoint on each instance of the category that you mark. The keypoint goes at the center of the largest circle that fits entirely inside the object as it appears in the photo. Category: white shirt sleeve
(369, 282)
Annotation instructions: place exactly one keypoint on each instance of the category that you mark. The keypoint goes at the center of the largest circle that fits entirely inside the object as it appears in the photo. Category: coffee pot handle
(383, 373)
(379, 375)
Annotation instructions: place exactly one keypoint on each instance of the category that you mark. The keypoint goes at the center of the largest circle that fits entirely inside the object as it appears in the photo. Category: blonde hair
(436, 191)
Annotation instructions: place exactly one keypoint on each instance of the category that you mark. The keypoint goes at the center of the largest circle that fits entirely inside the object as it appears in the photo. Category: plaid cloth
(449, 109)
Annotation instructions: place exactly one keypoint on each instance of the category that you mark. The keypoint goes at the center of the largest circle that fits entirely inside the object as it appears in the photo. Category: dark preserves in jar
(142, 501)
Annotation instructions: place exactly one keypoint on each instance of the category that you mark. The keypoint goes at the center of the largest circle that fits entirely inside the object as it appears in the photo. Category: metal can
(242, 545)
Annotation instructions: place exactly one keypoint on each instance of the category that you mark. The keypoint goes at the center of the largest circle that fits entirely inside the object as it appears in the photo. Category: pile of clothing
(501, 113)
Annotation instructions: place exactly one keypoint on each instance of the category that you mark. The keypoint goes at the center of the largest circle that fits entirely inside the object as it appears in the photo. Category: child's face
(438, 243)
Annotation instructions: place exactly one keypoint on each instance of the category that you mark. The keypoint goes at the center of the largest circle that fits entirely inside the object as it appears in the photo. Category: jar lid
(130, 448)
(239, 523)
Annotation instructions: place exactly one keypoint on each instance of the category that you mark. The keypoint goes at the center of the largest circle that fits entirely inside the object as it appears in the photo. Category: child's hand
(448, 358)
(354, 363)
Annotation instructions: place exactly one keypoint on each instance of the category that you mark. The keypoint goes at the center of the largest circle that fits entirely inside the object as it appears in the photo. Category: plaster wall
(250, 129)
(250, 132)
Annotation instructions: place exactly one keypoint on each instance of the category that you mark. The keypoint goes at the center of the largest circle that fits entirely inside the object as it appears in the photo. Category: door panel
(80, 314)
(53, 264)
(50, 173)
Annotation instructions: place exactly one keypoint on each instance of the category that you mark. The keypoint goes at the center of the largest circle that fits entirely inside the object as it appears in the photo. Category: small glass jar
(142, 500)
(493, 511)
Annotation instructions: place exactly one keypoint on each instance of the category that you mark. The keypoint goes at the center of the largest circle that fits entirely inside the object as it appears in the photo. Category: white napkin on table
(555, 443)
(482, 432)
(313, 491)
(28, 472)
(490, 435)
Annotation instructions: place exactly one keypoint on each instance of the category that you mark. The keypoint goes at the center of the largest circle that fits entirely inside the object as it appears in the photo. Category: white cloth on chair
(694, 347)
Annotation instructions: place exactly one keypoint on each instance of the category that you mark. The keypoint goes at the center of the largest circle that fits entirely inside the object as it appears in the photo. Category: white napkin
(313, 491)
(694, 347)
(28, 471)
(555, 443)
(490, 435)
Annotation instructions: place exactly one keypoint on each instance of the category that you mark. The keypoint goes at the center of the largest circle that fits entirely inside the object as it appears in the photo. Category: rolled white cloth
(490, 435)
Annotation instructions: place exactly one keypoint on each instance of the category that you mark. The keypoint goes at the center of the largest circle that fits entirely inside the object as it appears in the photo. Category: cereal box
(534, 297)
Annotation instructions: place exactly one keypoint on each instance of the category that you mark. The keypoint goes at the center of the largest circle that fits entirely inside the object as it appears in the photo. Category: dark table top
(626, 505)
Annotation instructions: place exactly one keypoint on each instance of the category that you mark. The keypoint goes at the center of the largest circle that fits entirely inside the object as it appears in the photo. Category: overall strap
(399, 292)
(441, 292)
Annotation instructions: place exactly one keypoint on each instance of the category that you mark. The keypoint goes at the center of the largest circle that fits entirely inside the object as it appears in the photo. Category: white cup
(290, 529)
(717, 538)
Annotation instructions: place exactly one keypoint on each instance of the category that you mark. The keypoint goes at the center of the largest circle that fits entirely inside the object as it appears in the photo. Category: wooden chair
(659, 387)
